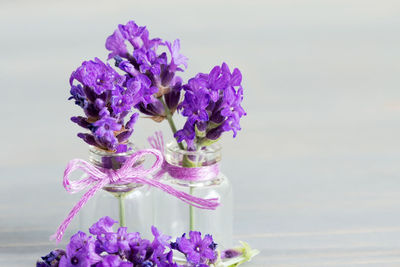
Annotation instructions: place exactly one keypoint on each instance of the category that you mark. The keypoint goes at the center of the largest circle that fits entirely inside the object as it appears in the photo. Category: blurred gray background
(315, 167)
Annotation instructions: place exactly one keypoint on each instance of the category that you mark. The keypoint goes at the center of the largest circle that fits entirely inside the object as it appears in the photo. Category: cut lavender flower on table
(106, 247)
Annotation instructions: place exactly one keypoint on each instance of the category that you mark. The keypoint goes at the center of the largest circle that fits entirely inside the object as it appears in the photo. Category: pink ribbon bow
(100, 177)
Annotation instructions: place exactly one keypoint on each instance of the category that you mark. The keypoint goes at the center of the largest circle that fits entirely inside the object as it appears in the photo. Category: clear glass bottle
(174, 217)
(130, 203)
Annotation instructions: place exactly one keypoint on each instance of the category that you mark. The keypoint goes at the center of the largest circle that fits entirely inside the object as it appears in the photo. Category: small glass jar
(174, 217)
(129, 204)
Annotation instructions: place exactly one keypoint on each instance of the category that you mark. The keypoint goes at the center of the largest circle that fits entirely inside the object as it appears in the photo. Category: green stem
(170, 120)
(185, 159)
(121, 202)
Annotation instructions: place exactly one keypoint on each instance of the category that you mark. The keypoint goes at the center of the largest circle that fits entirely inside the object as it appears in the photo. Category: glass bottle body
(174, 217)
(129, 204)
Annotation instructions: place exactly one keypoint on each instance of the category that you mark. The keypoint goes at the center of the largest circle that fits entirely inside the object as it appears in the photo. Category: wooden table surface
(315, 168)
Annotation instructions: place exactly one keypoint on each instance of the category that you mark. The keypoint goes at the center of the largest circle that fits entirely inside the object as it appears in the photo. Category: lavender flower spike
(98, 90)
(148, 70)
(212, 105)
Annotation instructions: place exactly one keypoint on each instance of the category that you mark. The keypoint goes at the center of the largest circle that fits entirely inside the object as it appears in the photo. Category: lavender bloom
(52, 259)
(80, 251)
(117, 242)
(196, 249)
(138, 37)
(104, 129)
(177, 59)
(187, 134)
(230, 253)
(102, 226)
(113, 261)
(154, 70)
(97, 75)
(160, 240)
(212, 105)
(161, 259)
(116, 44)
(123, 137)
(105, 102)
(197, 98)
(108, 248)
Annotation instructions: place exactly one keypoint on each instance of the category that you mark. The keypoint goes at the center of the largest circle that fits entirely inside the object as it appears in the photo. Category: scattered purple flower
(52, 259)
(160, 240)
(80, 251)
(113, 261)
(196, 249)
(107, 248)
(102, 226)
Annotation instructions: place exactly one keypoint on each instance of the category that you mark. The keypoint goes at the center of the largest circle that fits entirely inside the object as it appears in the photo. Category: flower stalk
(171, 122)
(121, 205)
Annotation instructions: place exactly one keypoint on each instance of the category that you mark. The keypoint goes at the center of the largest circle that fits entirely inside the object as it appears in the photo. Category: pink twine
(183, 173)
(100, 177)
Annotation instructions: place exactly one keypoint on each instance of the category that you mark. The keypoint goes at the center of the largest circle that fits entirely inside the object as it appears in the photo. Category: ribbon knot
(130, 172)
(114, 176)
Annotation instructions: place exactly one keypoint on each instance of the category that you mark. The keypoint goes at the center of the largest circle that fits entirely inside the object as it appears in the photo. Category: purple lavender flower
(138, 37)
(230, 253)
(140, 251)
(197, 98)
(196, 249)
(162, 259)
(80, 252)
(122, 249)
(177, 59)
(160, 240)
(148, 61)
(212, 105)
(105, 102)
(102, 226)
(116, 44)
(113, 261)
(98, 76)
(187, 134)
(109, 241)
(52, 259)
(148, 70)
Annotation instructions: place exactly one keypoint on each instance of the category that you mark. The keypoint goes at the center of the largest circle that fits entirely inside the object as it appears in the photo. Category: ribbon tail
(84, 199)
(201, 203)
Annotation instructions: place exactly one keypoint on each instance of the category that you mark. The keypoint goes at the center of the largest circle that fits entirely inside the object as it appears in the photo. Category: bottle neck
(192, 166)
(110, 160)
(113, 161)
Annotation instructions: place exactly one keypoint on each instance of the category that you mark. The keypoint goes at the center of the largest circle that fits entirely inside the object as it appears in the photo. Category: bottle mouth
(103, 153)
(172, 147)
(111, 160)
(206, 156)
